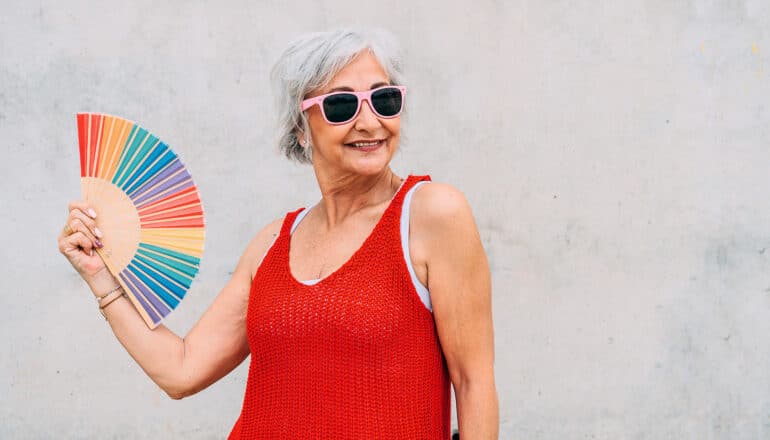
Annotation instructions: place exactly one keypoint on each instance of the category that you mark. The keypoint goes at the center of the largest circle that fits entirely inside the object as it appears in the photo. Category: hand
(79, 239)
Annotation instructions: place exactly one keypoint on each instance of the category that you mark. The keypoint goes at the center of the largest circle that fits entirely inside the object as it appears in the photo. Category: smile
(367, 145)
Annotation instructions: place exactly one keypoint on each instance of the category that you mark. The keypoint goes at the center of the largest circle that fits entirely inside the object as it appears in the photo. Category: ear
(301, 138)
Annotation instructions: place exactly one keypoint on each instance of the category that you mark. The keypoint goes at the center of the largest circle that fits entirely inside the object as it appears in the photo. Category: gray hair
(310, 62)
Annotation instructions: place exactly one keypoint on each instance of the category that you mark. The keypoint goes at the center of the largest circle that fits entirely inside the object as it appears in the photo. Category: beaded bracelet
(112, 300)
(100, 298)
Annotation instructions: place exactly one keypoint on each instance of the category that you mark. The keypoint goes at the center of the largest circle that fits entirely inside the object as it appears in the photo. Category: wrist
(110, 298)
(102, 282)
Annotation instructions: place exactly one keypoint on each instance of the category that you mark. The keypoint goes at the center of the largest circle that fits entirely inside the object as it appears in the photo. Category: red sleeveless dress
(355, 356)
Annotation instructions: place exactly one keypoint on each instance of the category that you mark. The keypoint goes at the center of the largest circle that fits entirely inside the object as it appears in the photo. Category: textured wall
(615, 153)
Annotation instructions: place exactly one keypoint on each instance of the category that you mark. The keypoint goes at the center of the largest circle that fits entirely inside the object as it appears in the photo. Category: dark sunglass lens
(340, 107)
(387, 101)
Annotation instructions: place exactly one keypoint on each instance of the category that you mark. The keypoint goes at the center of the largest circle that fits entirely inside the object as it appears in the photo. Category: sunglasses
(342, 107)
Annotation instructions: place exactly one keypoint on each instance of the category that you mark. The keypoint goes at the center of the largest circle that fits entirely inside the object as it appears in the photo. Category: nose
(366, 118)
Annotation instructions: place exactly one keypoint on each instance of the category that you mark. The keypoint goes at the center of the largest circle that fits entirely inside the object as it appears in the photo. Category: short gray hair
(310, 62)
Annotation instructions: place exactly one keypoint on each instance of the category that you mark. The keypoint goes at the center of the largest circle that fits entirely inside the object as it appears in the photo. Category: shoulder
(439, 205)
(446, 240)
(267, 234)
(259, 245)
(441, 225)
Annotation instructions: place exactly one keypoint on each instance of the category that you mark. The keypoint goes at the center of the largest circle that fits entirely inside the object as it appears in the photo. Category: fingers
(75, 243)
(81, 220)
(78, 217)
(86, 228)
(83, 207)
(80, 237)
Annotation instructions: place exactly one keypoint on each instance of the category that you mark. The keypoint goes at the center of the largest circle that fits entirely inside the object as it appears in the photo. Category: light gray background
(615, 153)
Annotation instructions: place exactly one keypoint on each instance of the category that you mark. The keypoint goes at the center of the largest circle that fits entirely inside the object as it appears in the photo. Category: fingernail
(99, 243)
(91, 213)
(97, 232)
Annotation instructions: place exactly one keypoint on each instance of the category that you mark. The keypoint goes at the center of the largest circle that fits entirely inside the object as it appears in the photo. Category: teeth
(365, 144)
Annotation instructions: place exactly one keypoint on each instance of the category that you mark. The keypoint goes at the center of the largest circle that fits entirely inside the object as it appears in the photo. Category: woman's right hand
(79, 240)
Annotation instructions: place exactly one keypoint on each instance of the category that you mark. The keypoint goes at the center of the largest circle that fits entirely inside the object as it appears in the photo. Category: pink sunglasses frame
(362, 96)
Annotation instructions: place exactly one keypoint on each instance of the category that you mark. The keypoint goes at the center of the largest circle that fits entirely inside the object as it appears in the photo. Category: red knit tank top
(355, 356)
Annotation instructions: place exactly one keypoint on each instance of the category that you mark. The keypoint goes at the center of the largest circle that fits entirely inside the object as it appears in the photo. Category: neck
(344, 195)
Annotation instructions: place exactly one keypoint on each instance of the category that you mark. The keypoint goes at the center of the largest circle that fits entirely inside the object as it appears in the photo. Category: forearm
(159, 352)
(477, 409)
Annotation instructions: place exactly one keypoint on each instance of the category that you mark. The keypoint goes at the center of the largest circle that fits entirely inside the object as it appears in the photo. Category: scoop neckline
(354, 254)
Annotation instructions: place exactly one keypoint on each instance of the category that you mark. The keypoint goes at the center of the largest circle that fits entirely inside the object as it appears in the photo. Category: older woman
(359, 311)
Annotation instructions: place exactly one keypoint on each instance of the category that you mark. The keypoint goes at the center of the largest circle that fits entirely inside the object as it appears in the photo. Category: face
(366, 144)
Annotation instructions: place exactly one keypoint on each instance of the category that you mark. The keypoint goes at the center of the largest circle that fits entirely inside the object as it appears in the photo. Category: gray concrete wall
(616, 155)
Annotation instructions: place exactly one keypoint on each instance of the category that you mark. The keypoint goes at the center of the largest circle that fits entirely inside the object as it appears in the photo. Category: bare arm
(448, 248)
(213, 347)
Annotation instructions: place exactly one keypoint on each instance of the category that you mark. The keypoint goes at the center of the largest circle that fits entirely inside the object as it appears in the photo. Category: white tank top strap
(299, 218)
(422, 291)
(294, 225)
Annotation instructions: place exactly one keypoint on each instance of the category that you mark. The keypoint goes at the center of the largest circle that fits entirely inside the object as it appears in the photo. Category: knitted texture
(355, 356)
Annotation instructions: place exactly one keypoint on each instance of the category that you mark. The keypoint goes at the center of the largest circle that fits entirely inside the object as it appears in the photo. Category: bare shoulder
(439, 205)
(442, 234)
(258, 245)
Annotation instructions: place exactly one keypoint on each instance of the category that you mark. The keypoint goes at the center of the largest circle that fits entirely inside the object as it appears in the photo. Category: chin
(369, 168)
(370, 164)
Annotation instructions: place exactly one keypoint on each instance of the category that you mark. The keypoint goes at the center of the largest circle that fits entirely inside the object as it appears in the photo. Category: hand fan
(148, 209)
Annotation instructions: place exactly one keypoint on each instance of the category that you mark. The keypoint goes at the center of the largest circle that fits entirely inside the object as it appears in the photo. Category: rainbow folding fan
(148, 209)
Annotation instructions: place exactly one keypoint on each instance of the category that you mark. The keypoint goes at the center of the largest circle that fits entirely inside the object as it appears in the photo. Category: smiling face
(366, 144)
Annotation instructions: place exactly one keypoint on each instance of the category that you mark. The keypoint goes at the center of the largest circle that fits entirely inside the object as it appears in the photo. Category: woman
(357, 312)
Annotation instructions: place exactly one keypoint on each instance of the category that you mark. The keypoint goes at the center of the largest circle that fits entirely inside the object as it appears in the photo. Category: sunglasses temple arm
(306, 104)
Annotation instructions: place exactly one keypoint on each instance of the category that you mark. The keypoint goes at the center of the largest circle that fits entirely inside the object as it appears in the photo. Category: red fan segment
(184, 222)
(190, 195)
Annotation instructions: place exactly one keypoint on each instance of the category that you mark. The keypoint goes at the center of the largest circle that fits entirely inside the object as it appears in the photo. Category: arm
(448, 252)
(213, 347)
